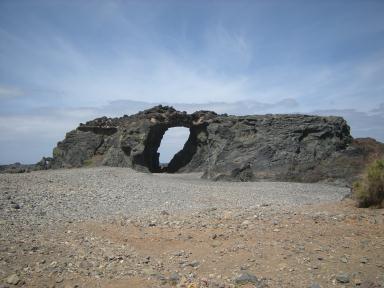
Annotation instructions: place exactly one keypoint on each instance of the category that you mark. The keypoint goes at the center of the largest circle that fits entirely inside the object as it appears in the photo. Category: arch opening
(150, 157)
(172, 143)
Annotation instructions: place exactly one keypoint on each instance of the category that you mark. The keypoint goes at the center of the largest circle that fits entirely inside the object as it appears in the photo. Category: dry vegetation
(369, 191)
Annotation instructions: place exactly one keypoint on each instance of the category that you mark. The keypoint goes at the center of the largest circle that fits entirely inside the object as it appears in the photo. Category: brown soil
(291, 248)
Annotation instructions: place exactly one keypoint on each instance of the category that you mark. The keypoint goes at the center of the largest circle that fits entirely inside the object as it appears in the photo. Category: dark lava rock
(343, 278)
(194, 263)
(236, 148)
(246, 277)
(369, 284)
(174, 278)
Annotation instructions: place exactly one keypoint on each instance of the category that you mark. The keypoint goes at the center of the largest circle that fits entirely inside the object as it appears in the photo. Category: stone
(194, 263)
(174, 278)
(370, 284)
(343, 278)
(344, 259)
(153, 223)
(149, 272)
(13, 279)
(314, 285)
(246, 277)
(290, 147)
(59, 280)
(71, 285)
(245, 223)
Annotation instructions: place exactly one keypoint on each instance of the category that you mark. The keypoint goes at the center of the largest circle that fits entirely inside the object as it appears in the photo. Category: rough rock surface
(243, 148)
(132, 141)
(43, 164)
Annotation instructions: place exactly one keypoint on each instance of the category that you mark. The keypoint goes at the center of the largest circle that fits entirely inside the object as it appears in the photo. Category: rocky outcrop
(243, 148)
(133, 141)
(43, 164)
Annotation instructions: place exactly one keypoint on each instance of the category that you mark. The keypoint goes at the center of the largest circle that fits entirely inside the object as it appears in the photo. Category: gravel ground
(100, 193)
(115, 227)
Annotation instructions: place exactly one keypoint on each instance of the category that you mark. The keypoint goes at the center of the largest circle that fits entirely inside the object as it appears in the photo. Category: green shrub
(56, 152)
(87, 162)
(369, 191)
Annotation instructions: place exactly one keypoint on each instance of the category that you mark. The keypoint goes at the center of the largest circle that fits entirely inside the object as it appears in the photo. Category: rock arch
(290, 147)
(146, 131)
(180, 159)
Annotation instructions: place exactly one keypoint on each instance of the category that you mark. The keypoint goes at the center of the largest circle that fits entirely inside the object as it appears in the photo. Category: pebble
(59, 280)
(344, 259)
(370, 284)
(246, 277)
(194, 263)
(13, 279)
(245, 223)
(174, 278)
(343, 278)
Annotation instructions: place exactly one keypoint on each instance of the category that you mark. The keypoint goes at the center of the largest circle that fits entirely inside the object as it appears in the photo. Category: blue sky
(65, 62)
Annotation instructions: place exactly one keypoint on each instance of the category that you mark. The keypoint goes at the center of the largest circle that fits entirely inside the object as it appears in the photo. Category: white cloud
(10, 92)
(217, 66)
(166, 78)
(225, 67)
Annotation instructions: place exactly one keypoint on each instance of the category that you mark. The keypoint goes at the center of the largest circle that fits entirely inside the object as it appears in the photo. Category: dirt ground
(329, 245)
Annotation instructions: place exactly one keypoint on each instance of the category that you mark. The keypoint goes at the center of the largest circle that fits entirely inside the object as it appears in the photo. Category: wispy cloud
(10, 92)
(69, 62)
(223, 60)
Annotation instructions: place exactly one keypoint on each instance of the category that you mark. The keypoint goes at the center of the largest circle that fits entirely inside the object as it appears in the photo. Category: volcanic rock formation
(243, 148)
